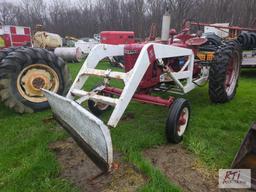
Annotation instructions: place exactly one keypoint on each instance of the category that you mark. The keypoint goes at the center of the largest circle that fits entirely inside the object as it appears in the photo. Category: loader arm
(149, 54)
(98, 53)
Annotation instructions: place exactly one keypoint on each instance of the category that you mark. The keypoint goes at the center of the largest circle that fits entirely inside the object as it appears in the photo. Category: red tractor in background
(117, 37)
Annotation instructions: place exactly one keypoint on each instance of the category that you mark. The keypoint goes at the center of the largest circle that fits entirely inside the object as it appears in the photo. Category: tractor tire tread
(14, 62)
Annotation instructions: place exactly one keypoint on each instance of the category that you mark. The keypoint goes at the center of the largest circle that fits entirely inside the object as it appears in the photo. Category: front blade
(90, 133)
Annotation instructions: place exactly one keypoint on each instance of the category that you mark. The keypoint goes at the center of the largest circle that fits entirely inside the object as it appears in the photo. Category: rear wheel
(177, 121)
(117, 61)
(247, 40)
(224, 73)
(4, 52)
(212, 44)
(24, 72)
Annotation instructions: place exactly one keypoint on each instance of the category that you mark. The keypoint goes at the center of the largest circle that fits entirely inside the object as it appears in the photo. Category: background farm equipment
(223, 32)
(246, 155)
(70, 54)
(13, 36)
(24, 70)
(176, 65)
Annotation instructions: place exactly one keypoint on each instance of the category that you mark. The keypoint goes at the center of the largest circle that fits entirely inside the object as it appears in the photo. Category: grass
(215, 133)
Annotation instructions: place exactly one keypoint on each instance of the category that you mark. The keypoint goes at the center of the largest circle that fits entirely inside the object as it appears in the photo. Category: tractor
(176, 64)
(24, 70)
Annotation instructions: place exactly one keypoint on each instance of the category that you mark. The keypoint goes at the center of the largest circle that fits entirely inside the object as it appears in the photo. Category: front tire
(224, 72)
(98, 108)
(177, 121)
(24, 72)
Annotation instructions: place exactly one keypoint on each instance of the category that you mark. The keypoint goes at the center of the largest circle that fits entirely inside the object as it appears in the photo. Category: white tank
(166, 26)
(44, 39)
(69, 54)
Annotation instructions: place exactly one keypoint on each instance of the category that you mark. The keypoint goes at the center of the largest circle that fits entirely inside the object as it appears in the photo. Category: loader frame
(149, 54)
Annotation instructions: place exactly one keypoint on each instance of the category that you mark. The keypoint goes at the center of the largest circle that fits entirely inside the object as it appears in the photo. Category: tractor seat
(196, 41)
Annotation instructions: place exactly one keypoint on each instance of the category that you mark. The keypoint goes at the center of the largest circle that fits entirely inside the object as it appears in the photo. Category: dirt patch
(183, 168)
(81, 171)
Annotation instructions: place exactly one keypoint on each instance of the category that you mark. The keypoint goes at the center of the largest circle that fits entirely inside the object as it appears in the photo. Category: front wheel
(177, 121)
(98, 108)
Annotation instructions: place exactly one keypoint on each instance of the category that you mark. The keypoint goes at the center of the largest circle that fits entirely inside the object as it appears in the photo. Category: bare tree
(86, 17)
(8, 13)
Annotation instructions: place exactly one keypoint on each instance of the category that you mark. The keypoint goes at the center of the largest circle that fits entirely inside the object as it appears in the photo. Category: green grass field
(214, 134)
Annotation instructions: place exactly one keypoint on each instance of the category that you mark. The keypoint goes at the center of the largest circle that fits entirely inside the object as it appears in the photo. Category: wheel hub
(38, 83)
(183, 121)
(33, 78)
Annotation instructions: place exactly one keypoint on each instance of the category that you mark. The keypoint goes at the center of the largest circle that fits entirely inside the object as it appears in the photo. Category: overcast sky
(48, 1)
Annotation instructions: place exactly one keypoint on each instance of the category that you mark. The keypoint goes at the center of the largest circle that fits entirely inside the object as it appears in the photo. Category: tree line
(83, 18)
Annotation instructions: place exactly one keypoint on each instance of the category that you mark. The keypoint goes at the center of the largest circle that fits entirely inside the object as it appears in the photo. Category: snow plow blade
(246, 156)
(90, 133)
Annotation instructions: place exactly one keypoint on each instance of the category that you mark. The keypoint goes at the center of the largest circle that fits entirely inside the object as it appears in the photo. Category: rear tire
(24, 71)
(224, 72)
(247, 40)
(4, 52)
(212, 44)
(177, 121)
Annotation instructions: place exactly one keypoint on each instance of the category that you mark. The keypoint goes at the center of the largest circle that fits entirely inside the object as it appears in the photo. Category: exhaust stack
(166, 23)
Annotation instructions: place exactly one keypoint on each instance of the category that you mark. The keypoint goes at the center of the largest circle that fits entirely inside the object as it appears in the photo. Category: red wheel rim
(183, 121)
(231, 75)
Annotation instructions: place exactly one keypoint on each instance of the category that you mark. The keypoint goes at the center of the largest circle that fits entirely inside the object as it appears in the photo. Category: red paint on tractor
(182, 119)
(151, 54)
(143, 98)
(152, 75)
(230, 73)
(117, 37)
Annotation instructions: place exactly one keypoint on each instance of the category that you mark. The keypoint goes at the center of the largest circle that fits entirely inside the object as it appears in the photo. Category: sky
(17, 1)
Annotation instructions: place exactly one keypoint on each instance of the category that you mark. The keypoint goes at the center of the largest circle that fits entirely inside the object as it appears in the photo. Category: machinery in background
(246, 36)
(26, 67)
(117, 37)
(14, 36)
(70, 54)
(43, 39)
(86, 45)
(31, 62)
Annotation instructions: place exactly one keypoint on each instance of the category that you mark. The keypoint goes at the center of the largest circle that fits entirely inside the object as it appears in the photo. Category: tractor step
(90, 133)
